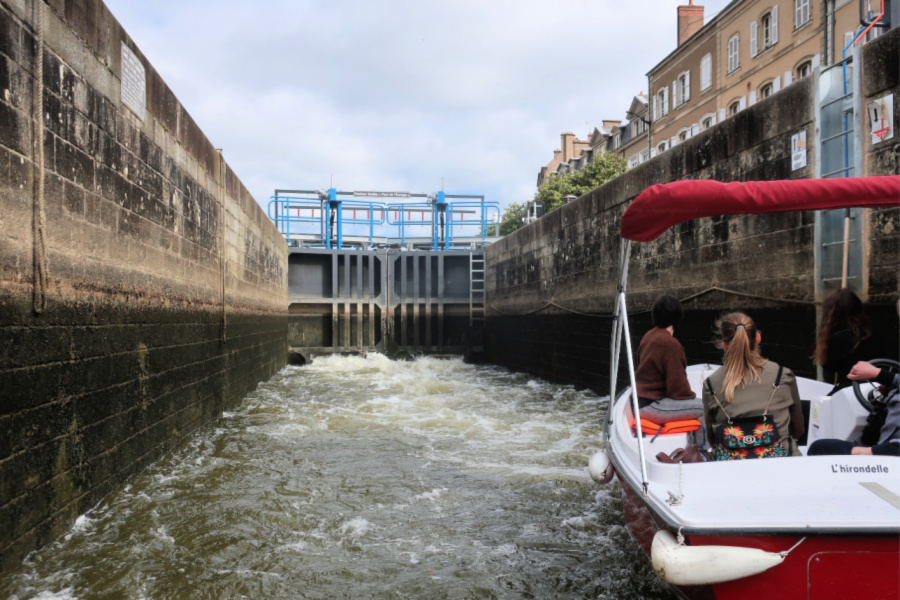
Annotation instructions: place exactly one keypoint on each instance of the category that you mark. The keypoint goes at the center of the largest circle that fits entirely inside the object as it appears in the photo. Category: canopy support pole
(620, 330)
(844, 273)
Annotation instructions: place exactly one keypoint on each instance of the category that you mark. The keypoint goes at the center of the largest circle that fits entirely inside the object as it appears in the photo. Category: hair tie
(740, 325)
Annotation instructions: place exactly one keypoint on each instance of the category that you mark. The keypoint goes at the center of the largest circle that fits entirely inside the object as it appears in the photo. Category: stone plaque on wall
(134, 82)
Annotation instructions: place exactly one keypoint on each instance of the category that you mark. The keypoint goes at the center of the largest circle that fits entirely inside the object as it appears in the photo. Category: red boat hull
(822, 567)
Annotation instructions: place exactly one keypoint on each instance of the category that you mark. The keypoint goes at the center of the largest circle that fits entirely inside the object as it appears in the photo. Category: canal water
(364, 478)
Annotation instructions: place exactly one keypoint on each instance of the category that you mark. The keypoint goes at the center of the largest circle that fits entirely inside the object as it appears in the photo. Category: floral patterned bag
(748, 437)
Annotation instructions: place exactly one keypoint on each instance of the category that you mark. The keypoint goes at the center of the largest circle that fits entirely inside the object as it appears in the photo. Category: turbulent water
(364, 478)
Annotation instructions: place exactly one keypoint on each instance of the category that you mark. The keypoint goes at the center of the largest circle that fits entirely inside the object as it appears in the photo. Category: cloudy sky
(398, 94)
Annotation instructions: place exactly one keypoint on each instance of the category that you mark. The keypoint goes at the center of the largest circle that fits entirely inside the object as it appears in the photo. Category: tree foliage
(605, 166)
(512, 218)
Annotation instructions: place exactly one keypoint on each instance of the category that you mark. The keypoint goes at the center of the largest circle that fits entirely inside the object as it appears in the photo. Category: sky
(400, 95)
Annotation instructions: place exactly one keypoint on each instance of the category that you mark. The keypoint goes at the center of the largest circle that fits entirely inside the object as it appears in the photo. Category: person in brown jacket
(664, 394)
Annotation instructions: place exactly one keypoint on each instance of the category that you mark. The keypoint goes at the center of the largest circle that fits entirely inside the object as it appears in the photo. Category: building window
(661, 148)
(733, 59)
(617, 141)
(645, 155)
(682, 136)
(706, 72)
(764, 34)
(662, 102)
(637, 127)
(684, 87)
(766, 30)
(734, 108)
(804, 69)
(801, 12)
(706, 123)
(766, 90)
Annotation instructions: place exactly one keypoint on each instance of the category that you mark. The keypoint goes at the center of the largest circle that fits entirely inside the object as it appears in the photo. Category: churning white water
(364, 478)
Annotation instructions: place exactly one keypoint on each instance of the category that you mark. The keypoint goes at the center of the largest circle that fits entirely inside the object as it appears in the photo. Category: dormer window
(766, 90)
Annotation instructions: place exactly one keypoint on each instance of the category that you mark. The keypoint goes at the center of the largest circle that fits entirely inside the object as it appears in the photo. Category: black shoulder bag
(748, 437)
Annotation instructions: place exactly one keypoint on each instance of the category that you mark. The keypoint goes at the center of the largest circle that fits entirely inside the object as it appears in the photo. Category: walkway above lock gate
(333, 219)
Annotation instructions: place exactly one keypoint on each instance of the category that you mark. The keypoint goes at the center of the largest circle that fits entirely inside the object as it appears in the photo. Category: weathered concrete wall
(551, 285)
(881, 77)
(141, 290)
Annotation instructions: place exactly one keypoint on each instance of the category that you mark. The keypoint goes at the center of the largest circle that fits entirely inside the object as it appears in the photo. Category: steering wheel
(874, 400)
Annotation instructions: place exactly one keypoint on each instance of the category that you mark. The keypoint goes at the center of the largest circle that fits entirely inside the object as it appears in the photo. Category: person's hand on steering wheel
(868, 371)
(863, 371)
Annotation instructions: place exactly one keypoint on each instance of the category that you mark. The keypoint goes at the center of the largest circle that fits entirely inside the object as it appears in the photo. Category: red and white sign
(881, 119)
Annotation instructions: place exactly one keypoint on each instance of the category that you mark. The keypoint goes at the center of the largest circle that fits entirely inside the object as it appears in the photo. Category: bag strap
(716, 398)
(774, 389)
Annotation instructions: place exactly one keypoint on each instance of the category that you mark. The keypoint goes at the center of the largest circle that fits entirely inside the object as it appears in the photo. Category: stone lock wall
(142, 289)
(551, 285)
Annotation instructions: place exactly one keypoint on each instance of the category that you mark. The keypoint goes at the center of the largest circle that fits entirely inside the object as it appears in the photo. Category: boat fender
(601, 468)
(679, 564)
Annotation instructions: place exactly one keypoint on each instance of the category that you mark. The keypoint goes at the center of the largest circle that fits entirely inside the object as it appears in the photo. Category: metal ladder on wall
(839, 143)
(476, 293)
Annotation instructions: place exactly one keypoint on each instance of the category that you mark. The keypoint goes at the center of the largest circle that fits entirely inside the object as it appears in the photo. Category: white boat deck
(821, 494)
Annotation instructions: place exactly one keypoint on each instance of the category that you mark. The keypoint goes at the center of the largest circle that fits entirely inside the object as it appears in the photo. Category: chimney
(690, 20)
(568, 146)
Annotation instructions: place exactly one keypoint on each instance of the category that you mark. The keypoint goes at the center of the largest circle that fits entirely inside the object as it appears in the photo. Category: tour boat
(816, 527)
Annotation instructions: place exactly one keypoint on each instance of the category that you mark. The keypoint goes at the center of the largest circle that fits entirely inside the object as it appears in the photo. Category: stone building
(747, 52)
(570, 149)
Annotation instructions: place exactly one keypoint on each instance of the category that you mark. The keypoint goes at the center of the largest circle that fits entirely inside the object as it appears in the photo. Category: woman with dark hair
(664, 393)
(747, 386)
(845, 338)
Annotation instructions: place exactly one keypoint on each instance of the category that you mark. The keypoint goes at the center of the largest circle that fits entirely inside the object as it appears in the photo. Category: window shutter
(695, 129)
(774, 24)
(776, 84)
(797, 15)
(652, 152)
(848, 38)
(752, 97)
(706, 72)
(788, 78)
(753, 31)
(742, 103)
(687, 86)
(654, 108)
(816, 61)
(722, 114)
(665, 106)
(675, 94)
(673, 142)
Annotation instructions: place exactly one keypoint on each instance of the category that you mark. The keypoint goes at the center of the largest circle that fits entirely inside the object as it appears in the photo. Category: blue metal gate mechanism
(335, 219)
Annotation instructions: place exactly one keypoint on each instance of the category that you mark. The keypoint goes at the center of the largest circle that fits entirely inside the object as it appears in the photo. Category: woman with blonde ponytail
(748, 385)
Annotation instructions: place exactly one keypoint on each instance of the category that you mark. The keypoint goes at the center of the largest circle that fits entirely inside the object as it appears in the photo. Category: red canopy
(663, 205)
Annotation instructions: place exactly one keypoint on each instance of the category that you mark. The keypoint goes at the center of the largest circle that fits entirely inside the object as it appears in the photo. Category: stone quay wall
(142, 289)
(551, 285)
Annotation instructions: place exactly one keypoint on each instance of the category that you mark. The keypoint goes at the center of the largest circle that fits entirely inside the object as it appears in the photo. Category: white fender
(601, 468)
(699, 565)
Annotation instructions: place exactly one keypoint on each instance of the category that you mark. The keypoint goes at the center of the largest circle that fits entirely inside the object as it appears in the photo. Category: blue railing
(322, 219)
